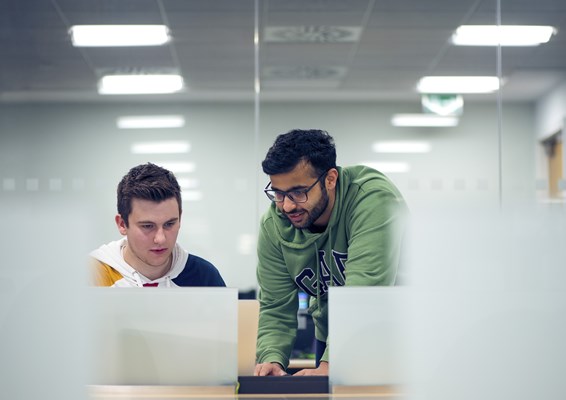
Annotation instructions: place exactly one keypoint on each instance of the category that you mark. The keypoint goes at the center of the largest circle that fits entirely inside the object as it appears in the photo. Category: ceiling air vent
(304, 73)
(321, 77)
(312, 34)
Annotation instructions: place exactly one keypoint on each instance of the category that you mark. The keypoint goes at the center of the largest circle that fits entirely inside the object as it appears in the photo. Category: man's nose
(288, 204)
(159, 236)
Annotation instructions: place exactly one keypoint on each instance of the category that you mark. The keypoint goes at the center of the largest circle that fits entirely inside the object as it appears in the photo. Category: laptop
(368, 345)
(164, 336)
(248, 320)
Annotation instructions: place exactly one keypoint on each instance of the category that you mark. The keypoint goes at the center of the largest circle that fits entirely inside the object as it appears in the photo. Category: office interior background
(486, 194)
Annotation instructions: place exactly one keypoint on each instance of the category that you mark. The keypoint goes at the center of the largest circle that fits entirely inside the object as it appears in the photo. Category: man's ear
(331, 178)
(121, 224)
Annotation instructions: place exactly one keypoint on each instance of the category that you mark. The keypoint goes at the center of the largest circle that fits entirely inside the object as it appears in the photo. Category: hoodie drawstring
(137, 278)
(139, 282)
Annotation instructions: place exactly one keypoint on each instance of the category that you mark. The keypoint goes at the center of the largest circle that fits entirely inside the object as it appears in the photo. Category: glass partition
(352, 68)
(484, 184)
(484, 225)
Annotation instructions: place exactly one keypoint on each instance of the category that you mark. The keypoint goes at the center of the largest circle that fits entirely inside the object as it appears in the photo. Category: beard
(315, 213)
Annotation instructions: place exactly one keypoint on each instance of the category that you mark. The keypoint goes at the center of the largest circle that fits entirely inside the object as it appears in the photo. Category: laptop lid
(248, 319)
(164, 336)
(367, 336)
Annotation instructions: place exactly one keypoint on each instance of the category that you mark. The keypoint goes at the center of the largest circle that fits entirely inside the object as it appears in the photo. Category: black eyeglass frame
(288, 194)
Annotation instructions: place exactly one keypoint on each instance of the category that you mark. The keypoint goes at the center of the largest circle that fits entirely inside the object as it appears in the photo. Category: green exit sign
(442, 104)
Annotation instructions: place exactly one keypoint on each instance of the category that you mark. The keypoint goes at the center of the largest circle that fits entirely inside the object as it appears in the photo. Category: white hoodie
(111, 254)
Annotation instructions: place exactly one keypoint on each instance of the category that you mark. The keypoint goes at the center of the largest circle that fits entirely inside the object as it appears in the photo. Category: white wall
(76, 148)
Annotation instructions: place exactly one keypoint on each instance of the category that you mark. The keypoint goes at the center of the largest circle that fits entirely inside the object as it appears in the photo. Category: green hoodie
(361, 246)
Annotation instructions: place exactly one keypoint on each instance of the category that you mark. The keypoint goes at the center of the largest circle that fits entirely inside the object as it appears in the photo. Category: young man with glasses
(327, 226)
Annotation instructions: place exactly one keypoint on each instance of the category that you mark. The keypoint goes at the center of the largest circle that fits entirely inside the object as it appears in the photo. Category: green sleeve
(278, 304)
(376, 227)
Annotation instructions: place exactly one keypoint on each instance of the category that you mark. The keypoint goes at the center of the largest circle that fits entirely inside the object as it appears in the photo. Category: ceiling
(362, 49)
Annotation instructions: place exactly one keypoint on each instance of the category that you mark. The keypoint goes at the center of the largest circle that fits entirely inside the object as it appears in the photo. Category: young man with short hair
(149, 216)
(327, 226)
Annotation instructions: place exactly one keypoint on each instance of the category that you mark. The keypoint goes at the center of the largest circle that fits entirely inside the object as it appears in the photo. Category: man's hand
(321, 370)
(273, 369)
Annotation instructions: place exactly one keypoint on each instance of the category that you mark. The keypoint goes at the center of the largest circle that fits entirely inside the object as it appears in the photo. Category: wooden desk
(100, 392)
(166, 392)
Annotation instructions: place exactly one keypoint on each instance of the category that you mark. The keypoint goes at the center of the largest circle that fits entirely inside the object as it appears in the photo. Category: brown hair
(146, 182)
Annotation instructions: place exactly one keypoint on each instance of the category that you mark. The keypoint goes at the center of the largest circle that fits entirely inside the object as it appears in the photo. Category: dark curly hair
(146, 182)
(313, 146)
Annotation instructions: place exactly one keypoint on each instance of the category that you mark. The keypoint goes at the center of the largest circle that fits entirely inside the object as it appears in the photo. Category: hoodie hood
(111, 254)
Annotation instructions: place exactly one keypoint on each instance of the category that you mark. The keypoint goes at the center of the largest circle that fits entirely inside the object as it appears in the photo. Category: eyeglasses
(296, 196)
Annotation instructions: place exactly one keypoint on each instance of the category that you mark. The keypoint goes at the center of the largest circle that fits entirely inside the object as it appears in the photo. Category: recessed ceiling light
(423, 120)
(401, 147)
(165, 147)
(177, 167)
(389, 167)
(140, 84)
(458, 84)
(191, 195)
(247, 244)
(150, 121)
(118, 35)
(504, 35)
(188, 183)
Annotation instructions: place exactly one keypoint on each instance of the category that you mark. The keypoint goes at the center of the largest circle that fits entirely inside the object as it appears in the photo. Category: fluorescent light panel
(458, 84)
(188, 183)
(401, 147)
(150, 121)
(191, 195)
(504, 35)
(164, 147)
(118, 35)
(177, 167)
(140, 84)
(423, 120)
(388, 167)
(247, 244)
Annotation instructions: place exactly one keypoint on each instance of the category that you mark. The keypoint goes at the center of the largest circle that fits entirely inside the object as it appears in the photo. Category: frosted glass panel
(181, 336)
(42, 304)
